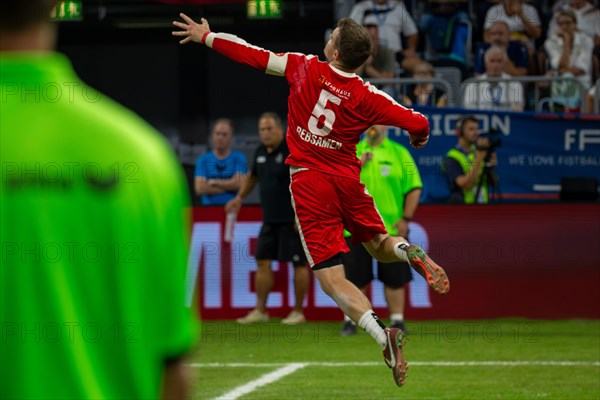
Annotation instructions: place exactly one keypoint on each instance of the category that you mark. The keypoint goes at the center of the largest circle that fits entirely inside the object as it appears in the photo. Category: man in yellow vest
(465, 164)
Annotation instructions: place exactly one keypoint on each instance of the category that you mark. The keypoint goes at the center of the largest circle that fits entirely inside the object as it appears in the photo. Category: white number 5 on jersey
(319, 111)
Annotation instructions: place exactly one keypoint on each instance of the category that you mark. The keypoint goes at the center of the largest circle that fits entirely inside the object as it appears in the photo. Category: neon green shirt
(93, 238)
(389, 176)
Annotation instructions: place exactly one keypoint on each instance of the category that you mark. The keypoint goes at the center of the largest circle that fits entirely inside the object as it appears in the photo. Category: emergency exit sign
(70, 10)
(264, 9)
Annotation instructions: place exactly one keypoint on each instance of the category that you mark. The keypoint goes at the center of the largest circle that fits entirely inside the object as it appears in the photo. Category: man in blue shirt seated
(219, 173)
(518, 59)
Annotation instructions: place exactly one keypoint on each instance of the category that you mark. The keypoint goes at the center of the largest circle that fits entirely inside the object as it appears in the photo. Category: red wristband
(204, 37)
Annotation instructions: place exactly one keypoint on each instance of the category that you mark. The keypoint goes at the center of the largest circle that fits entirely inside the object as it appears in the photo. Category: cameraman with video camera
(470, 165)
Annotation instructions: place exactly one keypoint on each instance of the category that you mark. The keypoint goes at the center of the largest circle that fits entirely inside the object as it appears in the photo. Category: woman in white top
(500, 96)
(588, 18)
(570, 51)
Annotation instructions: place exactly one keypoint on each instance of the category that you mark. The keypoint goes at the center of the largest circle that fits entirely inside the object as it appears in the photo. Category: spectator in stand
(447, 31)
(523, 20)
(569, 50)
(570, 55)
(505, 96)
(394, 21)
(499, 35)
(382, 62)
(220, 172)
(588, 22)
(425, 94)
(480, 9)
(588, 17)
(524, 23)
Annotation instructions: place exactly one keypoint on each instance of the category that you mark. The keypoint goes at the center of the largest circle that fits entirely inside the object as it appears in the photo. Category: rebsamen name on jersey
(318, 140)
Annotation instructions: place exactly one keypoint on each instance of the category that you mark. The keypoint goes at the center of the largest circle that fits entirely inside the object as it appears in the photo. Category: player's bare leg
(348, 297)
(386, 248)
(357, 306)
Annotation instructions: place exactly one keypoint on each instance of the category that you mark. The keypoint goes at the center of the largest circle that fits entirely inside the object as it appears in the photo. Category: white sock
(401, 254)
(370, 323)
(396, 317)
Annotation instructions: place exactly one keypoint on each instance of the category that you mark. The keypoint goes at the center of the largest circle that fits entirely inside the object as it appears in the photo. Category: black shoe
(348, 329)
(400, 325)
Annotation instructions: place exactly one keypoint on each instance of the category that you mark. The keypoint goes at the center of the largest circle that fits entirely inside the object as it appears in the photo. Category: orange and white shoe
(434, 274)
(393, 355)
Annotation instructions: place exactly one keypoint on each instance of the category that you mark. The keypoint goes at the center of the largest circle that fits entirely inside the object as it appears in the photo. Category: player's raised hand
(418, 142)
(190, 30)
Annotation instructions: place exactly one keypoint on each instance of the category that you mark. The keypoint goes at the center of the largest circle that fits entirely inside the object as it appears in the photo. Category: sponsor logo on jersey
(344, 94)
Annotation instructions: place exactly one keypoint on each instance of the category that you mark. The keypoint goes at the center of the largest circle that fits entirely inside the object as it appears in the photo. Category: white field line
(263, 380)
(548, 363)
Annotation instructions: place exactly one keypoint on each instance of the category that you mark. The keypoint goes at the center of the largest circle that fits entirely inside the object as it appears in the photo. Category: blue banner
(536, 151)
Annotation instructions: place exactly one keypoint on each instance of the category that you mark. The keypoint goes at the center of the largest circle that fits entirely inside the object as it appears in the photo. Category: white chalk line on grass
(290, 368)
(262, 381)
(548, 363)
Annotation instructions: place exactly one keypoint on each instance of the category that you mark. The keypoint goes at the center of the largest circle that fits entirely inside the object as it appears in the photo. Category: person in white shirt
(588, 22)
(523, 20)
(570, 51)
(588, 18)
(394, 21)
(500, 96)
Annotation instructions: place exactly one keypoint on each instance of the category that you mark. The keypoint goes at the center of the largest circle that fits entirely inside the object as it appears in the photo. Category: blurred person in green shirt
(391, 176)
(93, 233)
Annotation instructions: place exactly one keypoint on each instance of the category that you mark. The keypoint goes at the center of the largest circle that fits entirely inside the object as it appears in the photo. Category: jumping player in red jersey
(329, 107)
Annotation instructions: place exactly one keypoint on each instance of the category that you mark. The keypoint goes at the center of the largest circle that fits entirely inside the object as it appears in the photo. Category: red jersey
(328, 109)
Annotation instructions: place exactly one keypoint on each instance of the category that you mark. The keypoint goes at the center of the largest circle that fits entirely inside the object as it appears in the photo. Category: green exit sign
(70, 10)
(264, 9)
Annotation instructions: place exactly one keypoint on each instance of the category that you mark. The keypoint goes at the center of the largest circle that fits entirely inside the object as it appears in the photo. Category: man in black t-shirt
(278, 238)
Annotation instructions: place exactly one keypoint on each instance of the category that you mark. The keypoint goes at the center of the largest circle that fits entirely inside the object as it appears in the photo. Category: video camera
(494, 138)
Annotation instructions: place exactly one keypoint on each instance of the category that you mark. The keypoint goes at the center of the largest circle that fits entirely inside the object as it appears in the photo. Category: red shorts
(325, 205)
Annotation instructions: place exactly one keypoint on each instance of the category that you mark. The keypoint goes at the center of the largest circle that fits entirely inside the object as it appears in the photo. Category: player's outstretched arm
(230, 46)
(190, 30)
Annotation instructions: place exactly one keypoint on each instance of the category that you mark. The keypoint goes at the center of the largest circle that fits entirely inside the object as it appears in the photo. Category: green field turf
(492, 359)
